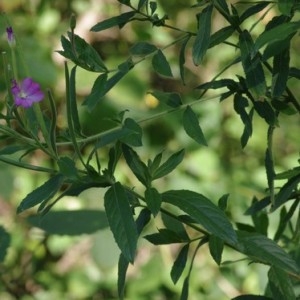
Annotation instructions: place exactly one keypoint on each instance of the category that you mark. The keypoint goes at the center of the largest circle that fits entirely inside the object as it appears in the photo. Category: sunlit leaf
(42, 193)
(203, 211)
(201, 42)
(120, 219)
(192, 127)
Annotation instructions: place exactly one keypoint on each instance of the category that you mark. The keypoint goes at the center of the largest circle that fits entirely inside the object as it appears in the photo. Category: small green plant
(261, 90)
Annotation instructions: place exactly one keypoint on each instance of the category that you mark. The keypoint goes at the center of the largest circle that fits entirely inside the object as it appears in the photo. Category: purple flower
(26, 93)
(10, 36)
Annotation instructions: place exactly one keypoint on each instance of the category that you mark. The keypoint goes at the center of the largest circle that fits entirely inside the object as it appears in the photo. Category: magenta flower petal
(27, 93)
(10, 36)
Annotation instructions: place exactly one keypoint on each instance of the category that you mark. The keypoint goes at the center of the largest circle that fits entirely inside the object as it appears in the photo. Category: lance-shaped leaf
(153, 200)
(203, 211)
(285, 191)
(251, 297)
(169, 165)
(201, 42)
(277, 33)
(138, 168)
(255, 77)
(220, 36)
(142, 48)
(286, 6)
(179, 263)
(141, 221)
(280, 285)
(264, 250)
(280, 72)
(253, 9)
(216, 246)
(192, 127)
(4, 243)
(161, 65)
(62, 222)
(240, 103)
(120, 220)
(170, 99)
(164, 237)
(120, 21)
(42, 193)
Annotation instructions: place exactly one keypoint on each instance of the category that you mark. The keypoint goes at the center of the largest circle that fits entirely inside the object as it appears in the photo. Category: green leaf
(182, 57)
(201, 43)
(175, 225)
(4, 243)
(285, 191)
(120, 219)
(253, 9)
(112, 136)
(251, 297)
(141, 221)
(285, 7)
(165, 237)
(265, 110)
(280, 72)
(222, 7)
(11, 149)
(138, 168)
(179, 263)
(122, 270)
(82, 53)
(203, 211)
(68, 168)
(220, 36)
(153, 200)
(192, 127)
(277, 33)
(42, 193)
(222, 203)
(134, 136)
(240, 103)
(98, 91)
(261, 222)
(255, 77)
(170, 99)
(161, 65)
(114, 21)
(102, 86)
(142, 48)
(217, 84)
(185, 289)
(216, 246)
(68, 222)
(169, 165)
(280, 285)
(264, 250)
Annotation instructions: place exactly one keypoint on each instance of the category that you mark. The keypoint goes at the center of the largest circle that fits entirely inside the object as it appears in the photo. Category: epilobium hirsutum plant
(261, 89)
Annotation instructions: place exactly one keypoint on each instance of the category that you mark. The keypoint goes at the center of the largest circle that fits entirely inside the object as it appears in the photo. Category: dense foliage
(256, 78)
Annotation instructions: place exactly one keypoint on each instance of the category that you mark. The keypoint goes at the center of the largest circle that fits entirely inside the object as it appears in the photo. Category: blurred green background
(41, 266)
